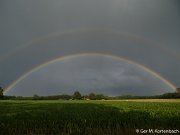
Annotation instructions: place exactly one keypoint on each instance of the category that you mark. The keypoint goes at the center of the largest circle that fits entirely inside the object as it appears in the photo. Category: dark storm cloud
(151, 56)
(91, 73)
(22, 21)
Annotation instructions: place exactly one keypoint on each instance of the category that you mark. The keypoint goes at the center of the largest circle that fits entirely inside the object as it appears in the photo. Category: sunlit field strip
(148, 100)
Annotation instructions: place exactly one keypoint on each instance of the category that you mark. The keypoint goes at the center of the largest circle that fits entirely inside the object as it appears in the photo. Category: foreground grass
(87, 117)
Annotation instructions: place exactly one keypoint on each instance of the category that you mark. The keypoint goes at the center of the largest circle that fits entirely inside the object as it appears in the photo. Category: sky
(35, 32)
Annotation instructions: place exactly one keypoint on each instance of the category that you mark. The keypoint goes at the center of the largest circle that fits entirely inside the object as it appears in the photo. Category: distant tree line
(76, 96)
(92, 96)
(1, 93)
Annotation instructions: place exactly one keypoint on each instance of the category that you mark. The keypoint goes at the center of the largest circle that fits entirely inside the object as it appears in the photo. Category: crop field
(87, 117)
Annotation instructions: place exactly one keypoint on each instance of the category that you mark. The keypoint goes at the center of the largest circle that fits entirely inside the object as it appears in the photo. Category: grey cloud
(110, 76)
(23, 21)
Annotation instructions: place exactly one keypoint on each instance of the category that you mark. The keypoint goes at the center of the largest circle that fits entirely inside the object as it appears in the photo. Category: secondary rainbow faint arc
(82, 30)
(89, 54)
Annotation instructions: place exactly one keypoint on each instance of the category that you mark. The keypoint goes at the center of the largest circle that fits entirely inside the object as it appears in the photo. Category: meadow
(87, 117)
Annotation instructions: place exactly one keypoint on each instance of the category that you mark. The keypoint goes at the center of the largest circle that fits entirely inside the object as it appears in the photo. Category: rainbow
(86, 30)
(171, 85)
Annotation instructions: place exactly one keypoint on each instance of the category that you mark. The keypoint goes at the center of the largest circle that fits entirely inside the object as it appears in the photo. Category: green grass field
(87, 117)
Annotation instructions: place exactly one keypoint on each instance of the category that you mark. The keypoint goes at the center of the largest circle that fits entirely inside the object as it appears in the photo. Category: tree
(92, 96)
(99, 96)
(36, 97)
(1, 92)
(77, 95)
